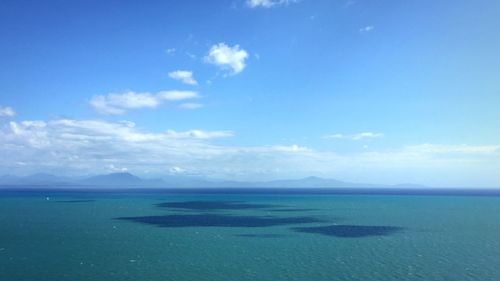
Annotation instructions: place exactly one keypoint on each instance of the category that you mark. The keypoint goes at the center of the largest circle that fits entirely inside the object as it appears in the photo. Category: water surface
(247, 236)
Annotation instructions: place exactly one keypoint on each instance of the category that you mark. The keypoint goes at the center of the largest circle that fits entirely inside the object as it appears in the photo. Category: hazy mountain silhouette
(112, 179)
(130, 180)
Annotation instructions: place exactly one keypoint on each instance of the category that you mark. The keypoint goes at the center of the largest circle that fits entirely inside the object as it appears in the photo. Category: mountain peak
(121, 174)
(120, 178)
(312, 178)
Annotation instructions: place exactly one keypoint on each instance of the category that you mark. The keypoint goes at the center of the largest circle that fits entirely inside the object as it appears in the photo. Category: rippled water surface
(96, 236)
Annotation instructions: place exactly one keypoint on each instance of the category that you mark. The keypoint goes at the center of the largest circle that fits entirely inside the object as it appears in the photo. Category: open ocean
(48, 235)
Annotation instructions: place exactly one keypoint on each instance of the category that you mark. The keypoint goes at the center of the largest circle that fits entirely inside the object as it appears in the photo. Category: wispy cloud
(358, 136)
(170, 51)
(119, 103)
(113, 169)
(227, 58)
(367, 28)
(184, 76)
(268, 3)
(454, 149)
(176, 170)
(191, 55)
(175, 95)
(199, 134)
(7, 112)
(92, 146)
(349, 3)
(190, 105)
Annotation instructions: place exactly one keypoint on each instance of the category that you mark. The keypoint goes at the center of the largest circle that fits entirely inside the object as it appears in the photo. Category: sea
(250, 234)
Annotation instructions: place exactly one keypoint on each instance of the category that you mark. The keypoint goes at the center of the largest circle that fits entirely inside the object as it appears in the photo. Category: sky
(383, 92)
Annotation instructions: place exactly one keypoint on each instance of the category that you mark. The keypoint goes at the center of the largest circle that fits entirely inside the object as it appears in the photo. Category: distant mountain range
(127, 180)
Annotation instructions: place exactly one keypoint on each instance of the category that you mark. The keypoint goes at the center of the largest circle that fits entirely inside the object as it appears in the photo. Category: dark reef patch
(292, 210)
(212, 220)
(213, 205)
(261, 235)
(351, 231)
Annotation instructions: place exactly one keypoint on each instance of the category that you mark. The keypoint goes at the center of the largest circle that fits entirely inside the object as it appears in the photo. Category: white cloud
(228, 58)
(184, 76)
(7, 112)
(190, 105)
(335, 136)
(177, 95)
(291, 148)
(199, 134)
(176, 170)
(358, 136)
(113, 169)
(170, 51)
(94, 146)
(367, 29)
(453, 149)
(120, 103)
(268, 3)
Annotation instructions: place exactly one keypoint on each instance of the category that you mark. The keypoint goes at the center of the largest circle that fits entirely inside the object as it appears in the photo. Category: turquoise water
(248, 237)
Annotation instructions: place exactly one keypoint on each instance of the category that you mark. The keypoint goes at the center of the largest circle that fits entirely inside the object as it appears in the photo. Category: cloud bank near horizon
(93, 146)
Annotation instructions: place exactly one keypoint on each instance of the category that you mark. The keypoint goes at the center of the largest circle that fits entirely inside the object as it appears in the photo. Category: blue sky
(367, 91)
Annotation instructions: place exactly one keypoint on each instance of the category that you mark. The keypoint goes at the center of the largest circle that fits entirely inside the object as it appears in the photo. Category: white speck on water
(132, 260)
(47, 198)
